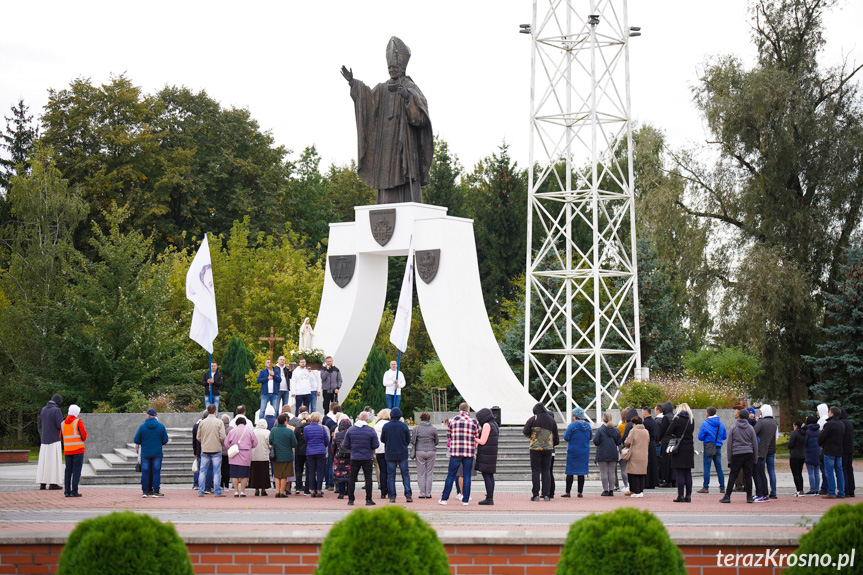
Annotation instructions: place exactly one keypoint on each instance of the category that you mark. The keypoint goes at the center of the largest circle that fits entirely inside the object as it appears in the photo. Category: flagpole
(210, 369)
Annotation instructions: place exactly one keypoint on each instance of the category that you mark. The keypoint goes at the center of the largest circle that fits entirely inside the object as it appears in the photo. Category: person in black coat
(797, 456)
(652, 428)
(666, 475)
(212, 376)
(848, 454)
(830, 440)
(486, 452)
(683, 459)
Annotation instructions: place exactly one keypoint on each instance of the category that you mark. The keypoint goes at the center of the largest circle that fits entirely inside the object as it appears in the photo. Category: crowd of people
(314, 453)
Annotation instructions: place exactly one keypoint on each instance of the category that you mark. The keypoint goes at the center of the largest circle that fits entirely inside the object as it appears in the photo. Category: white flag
(199, 290)
(402, 324)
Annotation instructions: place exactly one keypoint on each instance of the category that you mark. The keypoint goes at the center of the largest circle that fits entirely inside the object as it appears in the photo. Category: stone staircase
(118, 467)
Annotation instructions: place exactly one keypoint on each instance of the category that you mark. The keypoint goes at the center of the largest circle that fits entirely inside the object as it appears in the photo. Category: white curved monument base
(452, 305)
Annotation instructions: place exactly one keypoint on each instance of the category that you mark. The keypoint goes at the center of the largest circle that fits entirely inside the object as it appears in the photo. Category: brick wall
(491, 559)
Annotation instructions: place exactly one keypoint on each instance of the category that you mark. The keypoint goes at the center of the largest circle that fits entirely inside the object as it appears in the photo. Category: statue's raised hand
(348, 74)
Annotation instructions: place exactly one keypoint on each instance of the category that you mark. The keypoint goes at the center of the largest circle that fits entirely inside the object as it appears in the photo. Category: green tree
(497, 201)
(347, 190)
(306, 205)
(17, 141)
(445, 188)
(37, 243)
(838, 363)
(118, 343)
(237, 361)
(368, 390)
(783, 200)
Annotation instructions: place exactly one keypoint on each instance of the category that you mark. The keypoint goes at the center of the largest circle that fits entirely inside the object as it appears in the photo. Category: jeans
(716, 460)
(215, 401)
(284, 399)
(272, 399)
(540, 471)
(771, 472)
(383, 481)
(74, 463)
(425, 471)
(316, 465)
(328, 469)
(814, 470)
(305, 399)
(314, 402)
(623, 475)
(210, 472)
(154, 463)
(452, 474)
(835, 476)
(391, 477)
(366, 466)
(393, 400)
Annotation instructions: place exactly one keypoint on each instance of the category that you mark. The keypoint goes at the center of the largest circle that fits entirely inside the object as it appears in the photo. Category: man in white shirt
(303, 382)
(394, 381)
(285, 384)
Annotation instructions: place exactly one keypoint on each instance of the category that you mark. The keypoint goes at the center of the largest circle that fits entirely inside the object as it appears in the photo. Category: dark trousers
(569, 483)
(652, 467)
(74, 463)
(305, 399)
(684, 482)
(367, 467)
(299, 468)
(489, 484)
(382, 467)
(848, 470)
(225, 471)
(316, 472)
(637, 482)
(540, 470)
(741, 464)
(797, 473)
(761, 478)
(329, 397)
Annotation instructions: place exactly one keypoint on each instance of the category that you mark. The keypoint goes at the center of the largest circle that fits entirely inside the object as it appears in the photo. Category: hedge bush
(626, 540)
(838, 532)
(387, 540)
(124, 543)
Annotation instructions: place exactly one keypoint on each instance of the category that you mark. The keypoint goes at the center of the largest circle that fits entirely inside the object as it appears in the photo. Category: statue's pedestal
(452, 304)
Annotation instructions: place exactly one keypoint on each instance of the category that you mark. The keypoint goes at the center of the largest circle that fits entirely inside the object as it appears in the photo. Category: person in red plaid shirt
(461, 432)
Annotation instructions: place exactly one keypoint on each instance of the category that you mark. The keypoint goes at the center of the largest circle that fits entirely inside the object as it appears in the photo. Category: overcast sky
(281, 59)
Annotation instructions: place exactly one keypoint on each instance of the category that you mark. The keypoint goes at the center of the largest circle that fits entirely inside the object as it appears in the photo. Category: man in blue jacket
(396, 436)
(151, 436)
(361, 441)
(712, 432)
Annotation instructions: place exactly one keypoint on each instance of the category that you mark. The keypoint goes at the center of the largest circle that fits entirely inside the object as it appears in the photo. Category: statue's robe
(394, 155)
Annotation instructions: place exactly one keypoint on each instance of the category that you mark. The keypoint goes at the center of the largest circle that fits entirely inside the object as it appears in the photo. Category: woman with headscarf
(260, 471)
(270, 416)
(577, 436)
(683, 458)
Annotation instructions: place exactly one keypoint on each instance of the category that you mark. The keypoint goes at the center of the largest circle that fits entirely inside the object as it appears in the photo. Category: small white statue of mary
(307, 335)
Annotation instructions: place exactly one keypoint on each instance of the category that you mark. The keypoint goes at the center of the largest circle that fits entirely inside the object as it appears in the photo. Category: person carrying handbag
(681, 448)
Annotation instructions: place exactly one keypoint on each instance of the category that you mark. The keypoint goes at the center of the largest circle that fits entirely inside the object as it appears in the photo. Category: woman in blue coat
(578, 436)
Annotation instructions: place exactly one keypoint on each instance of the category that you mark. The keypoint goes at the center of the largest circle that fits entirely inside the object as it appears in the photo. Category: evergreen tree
(444, 187)
(373, 389)
(498, 203)
(17, 141)
(237, 362)
(839, 361)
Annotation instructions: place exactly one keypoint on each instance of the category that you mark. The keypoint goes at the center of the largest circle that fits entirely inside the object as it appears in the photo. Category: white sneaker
(637, 495)
(464, 502)
(442, 502)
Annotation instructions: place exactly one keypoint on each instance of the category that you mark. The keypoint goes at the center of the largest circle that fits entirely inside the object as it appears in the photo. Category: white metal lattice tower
(581, 304)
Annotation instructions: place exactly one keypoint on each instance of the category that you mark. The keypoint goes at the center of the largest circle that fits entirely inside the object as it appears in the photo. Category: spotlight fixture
(525, 28)
(593, 19)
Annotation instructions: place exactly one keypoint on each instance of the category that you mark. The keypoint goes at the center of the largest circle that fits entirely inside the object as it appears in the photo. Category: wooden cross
(271, 339)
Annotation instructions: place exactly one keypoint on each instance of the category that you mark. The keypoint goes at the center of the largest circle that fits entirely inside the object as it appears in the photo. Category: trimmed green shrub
(640, 393)
(836, 534)
(124, 543)
(387, 540)
(628, 537)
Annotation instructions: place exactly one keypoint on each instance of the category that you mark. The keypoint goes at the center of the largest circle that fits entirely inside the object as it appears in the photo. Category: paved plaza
(24, 509)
